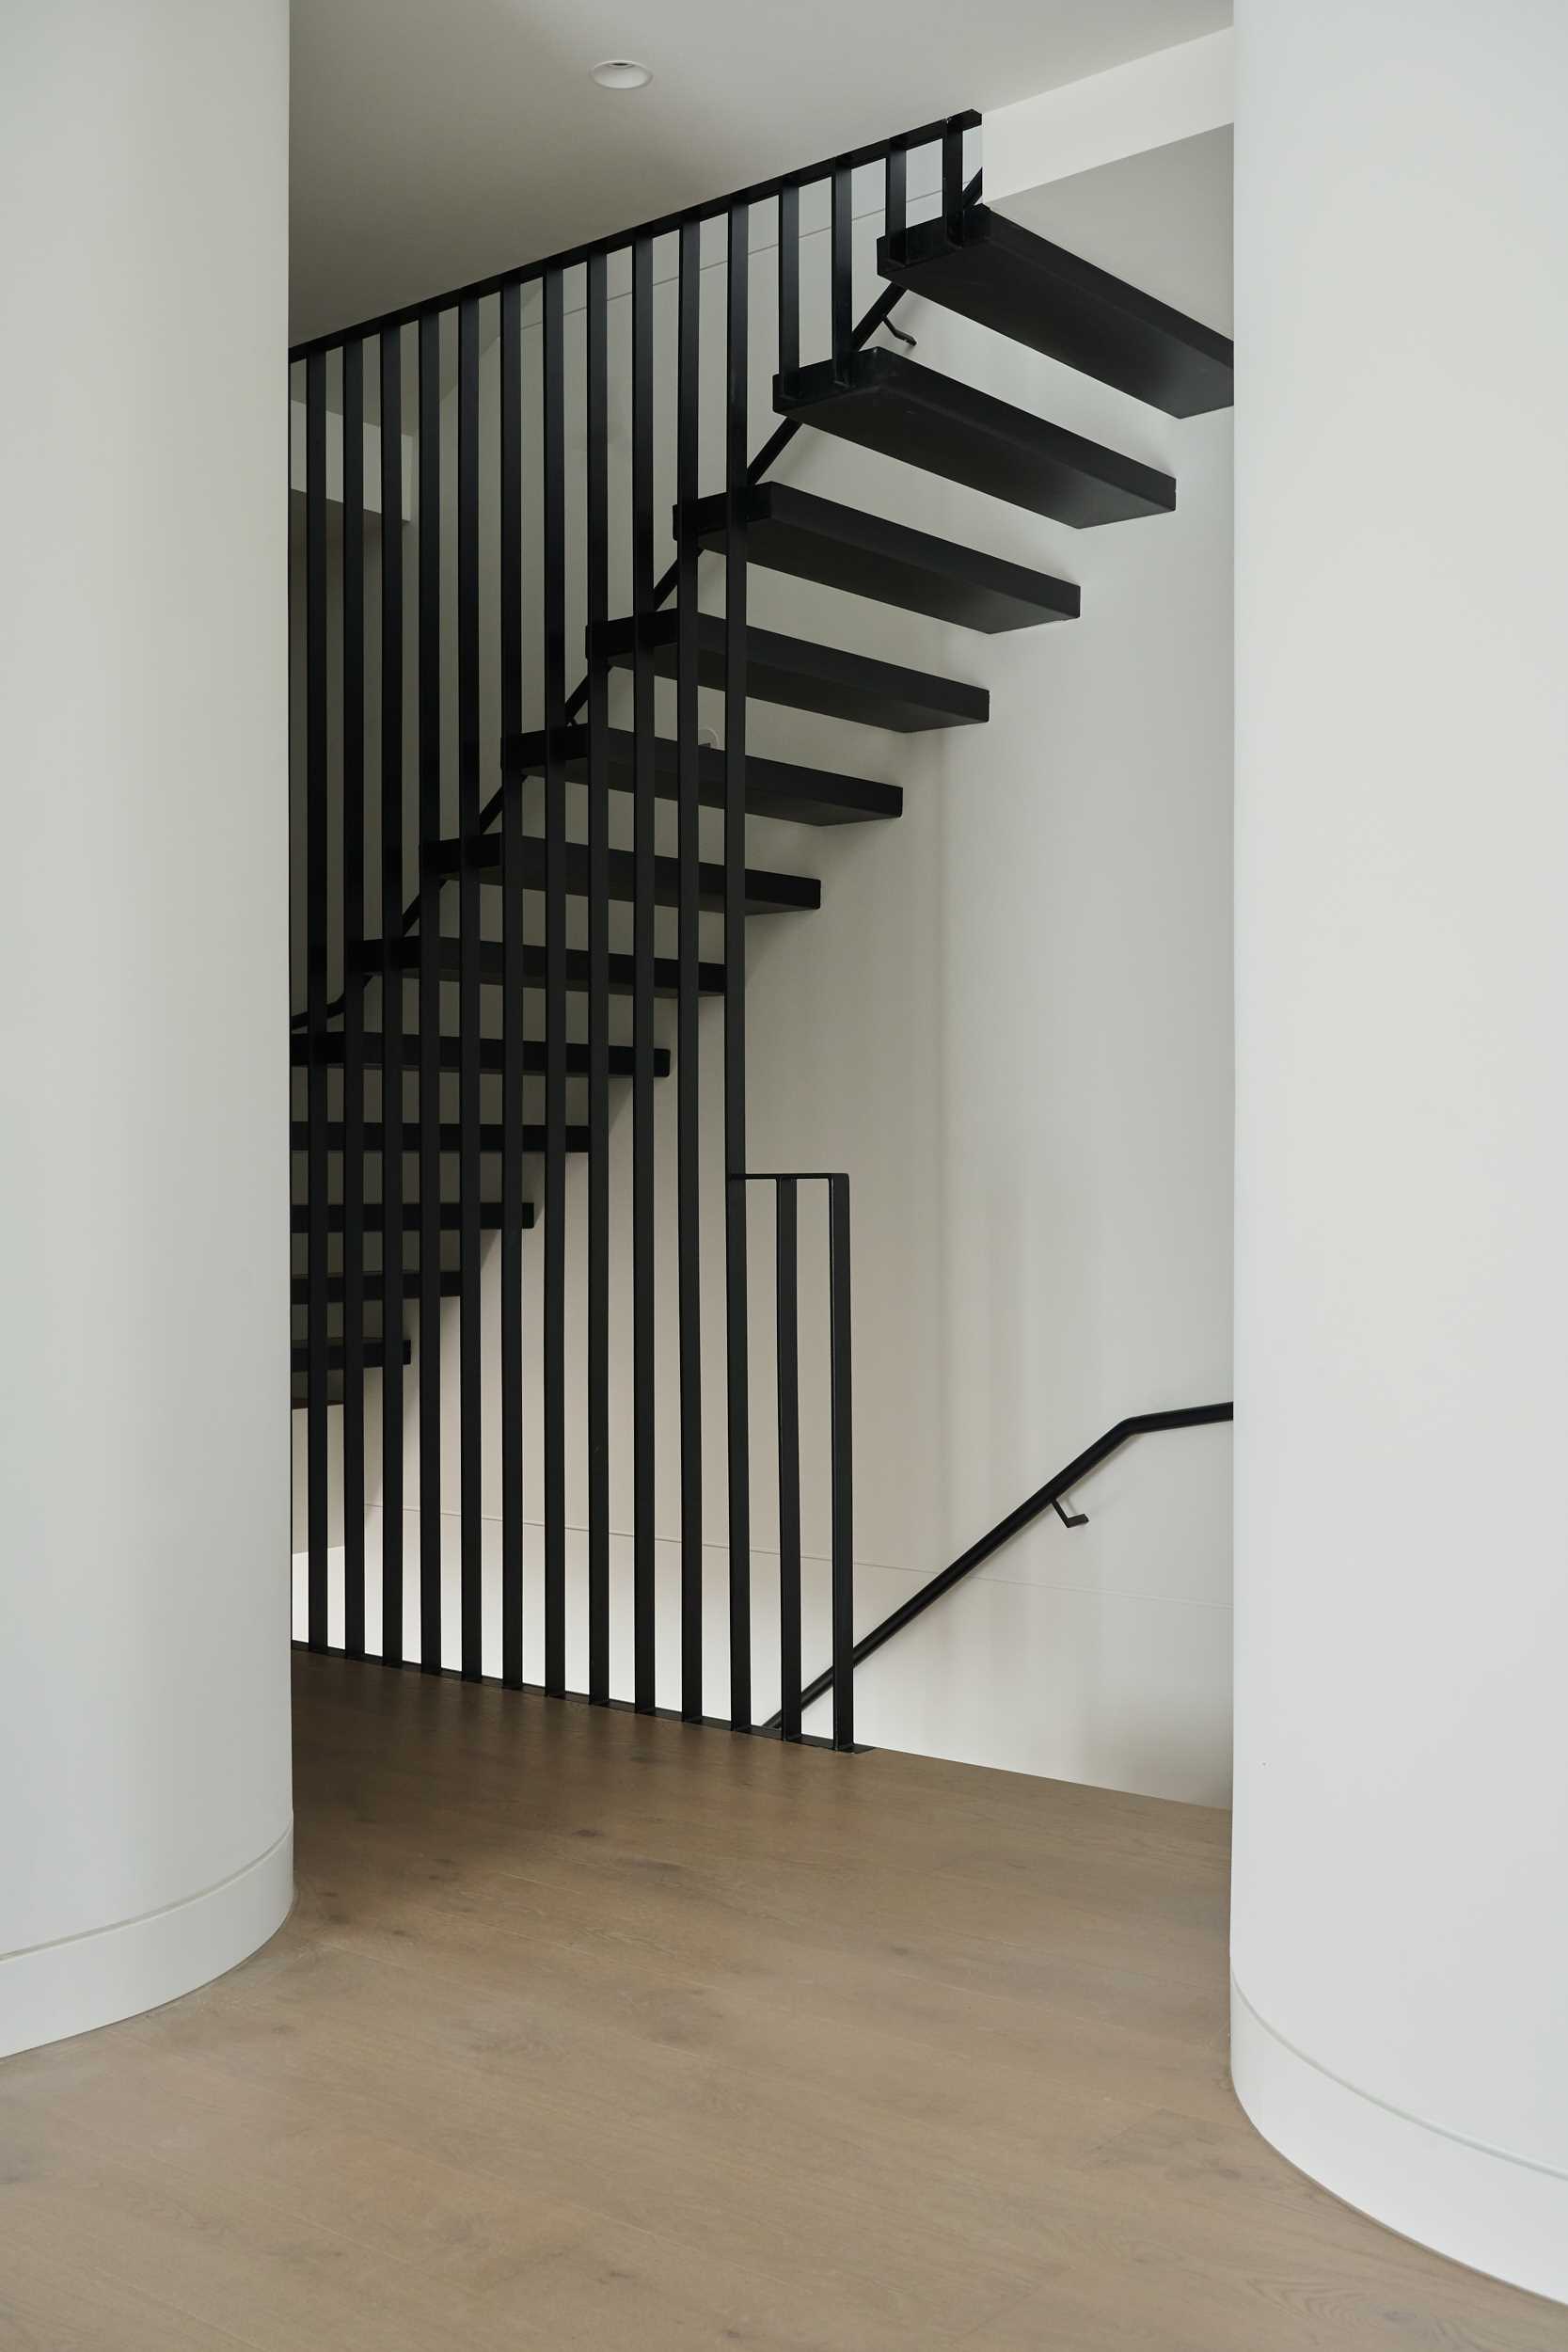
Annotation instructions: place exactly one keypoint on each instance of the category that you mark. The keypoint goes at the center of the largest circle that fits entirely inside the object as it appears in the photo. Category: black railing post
(737, 275)
(513, 1004)
(554, 987)
(353, 997)
(429, 997)
(391, 996)
(787, 1357)
(896, 201)
(689, 1134)
(843, 1464)
(316, 977)
(470, 1356)
(841, 264)
(644, 1240)
(598, 992)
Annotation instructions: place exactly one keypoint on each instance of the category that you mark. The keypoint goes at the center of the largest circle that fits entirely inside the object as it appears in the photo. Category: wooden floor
(596, 2031)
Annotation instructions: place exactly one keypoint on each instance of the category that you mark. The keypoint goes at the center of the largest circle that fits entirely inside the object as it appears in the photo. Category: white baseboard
(1480, 2206)
(52, 1990)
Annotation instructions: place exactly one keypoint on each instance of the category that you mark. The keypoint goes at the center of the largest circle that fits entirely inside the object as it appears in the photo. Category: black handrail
(1043, 1498)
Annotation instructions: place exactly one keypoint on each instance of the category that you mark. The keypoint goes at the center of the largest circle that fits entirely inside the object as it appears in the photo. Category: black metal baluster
(513, 1001)
(470, 1353)
(689, 1141)
(430, 996)
(644, 1369)
(842, 290)
(598, 993)
(953, 179)
(315, 983)
(555, 992)
(787, 1352)
(789, 279)
(896, 201)
(738, 274)
(353, 997)
(843, 1455)
(391, 996)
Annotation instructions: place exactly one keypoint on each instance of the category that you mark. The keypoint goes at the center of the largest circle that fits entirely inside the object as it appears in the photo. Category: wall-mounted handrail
(1043, 1498)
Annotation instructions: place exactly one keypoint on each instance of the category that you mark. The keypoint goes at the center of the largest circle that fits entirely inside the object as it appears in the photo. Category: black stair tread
(801, 674)
(534, 1136)
(449, 1216)
(1040, 293)
(774, 788)
(372, 1286)
(374, 1354)
(766, 894)
(409, 954)
(814, 538)
(886, 402)
(491, 1054)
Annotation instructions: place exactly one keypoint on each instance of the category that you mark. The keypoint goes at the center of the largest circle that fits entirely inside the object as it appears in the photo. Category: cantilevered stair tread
(449, 1216)
(764, 893)
(1039, 294)
(450, 1134)
(814, 538)
(774, 788)
(491, 1055)
(801, 674)
(374, 1286)
(886, 402)
(408, 955)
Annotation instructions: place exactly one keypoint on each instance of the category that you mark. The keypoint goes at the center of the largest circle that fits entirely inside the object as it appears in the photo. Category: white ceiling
(436, 141)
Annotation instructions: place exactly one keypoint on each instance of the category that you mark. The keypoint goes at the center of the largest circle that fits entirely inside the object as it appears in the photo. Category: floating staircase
(968, 260)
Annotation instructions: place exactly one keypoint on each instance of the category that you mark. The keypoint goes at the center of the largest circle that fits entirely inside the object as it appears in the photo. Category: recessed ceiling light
(621, 73)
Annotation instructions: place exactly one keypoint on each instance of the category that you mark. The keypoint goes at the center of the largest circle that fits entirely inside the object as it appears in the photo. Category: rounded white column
(144, 1332)
(1401, 1927)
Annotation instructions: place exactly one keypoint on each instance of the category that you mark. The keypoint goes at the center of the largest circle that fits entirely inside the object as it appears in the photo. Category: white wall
(1010, 1022)
(144, 1756)
(1401, 1939)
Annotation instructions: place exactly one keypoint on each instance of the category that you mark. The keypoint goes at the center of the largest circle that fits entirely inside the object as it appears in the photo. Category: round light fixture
(621, 73)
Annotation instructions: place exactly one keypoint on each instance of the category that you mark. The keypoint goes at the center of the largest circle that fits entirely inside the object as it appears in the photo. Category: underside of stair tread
(373, 1216)
(1039, 294)
(408, 955)
(886, 402)
(372, 1355)
(774, 788)
(814, 538)
(374, 1286)
(491, 1055)
(800, 674)
(374, 1137)
(764, 893)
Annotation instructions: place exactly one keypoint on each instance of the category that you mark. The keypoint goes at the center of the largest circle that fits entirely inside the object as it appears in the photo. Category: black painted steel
(736, 372)
(1039, 294)
(354, 1011)
(554, 1390)
(774, 788)
(868, 555)
(446, 1051)
(798, 672)
(530, 958)
(842, 1410)
(471, 1351)
(644, 891)
(1043, 1498)
(786, 1311)
(789, 279)
(688, 1129)
(886, 402)
(511, 1139)
(430, 993)
(953, 177)
(492, 1133)
(841, 287)
(316, 984)
(896, 204)
(598, 982)
(390, 972)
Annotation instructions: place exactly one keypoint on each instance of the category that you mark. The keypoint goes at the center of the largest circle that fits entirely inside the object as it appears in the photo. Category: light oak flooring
(591, 2031)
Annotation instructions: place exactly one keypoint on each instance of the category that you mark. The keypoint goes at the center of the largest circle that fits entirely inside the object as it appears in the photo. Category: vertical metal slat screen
(487, 656)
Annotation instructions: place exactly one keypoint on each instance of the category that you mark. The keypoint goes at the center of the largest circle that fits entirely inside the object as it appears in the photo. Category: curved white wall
(1401, 1940)
(144, 1539)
